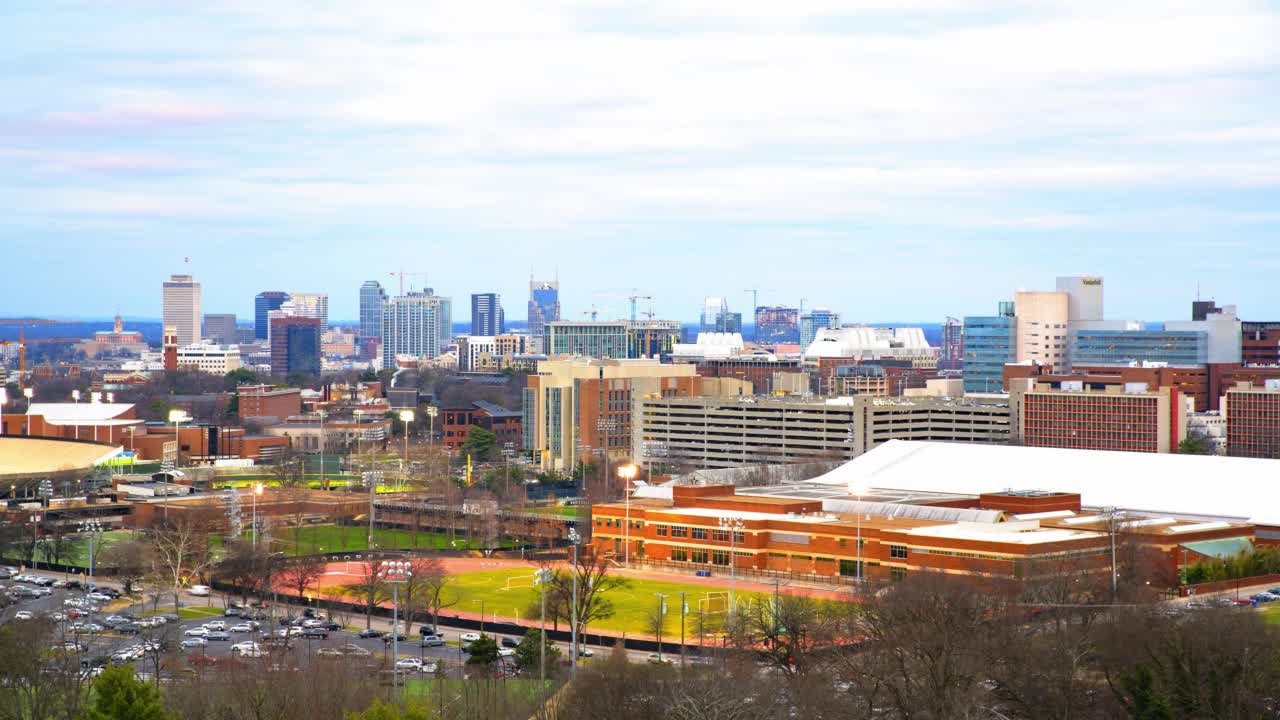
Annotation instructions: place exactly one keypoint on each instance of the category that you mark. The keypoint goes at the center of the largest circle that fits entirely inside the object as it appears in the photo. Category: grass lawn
(632, 604)
(188, 613)
(1272, 614)
(568, 511)
(518, 691)
(320, 539)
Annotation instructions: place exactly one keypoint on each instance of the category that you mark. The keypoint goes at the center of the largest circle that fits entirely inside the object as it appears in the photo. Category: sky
(890, 159)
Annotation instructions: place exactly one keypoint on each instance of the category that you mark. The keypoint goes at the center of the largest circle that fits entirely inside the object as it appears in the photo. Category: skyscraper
(813, 321)
(372, 297)
(416, 324)
(295, 345)
(182, 308)
(486, 314)
(544, 305)
(712, 308)
(989, 344)
(264, 303)
(777, 325)
(312, 305)
(220, 328)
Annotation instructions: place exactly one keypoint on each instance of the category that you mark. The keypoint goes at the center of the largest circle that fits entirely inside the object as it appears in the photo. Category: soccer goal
(520, 581)
(714, 602)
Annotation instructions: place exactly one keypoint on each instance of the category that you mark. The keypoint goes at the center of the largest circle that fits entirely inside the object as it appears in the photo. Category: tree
(423, 589)
(180, 552)
(131, 559)
(1194, 446)
(594, 587)
(289, 470)
(483, 651)
(369, 589)
(479, 443)
(300, 575)
(119, 695)
(529, 652)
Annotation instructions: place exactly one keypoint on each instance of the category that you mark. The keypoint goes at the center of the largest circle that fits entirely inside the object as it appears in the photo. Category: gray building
(372, 298)
(486, 314)
(220, 328)
(417, 324)
(736, 432)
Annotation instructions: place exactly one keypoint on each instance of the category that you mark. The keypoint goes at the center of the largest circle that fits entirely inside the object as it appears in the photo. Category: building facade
(777, 325)
(1260, 343)
(220, 328)
(600, 340)
(312, 305)
(990, 343)
(1041, 328)
(263, 303)
(815, 320)
(1253, 420)
(210, 358)
(372, 298)
(182, 308)
(1122, 347)
(295, 345)
(1131, 419)
(416, 325)
(486, 315)
(757, 370)
(577, 407)
(265, 401)
(505, 424)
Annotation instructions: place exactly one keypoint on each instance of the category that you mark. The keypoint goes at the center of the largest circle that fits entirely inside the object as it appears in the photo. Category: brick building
(1132, 418)
(265, 401)
(756, 370)
(457, 422)
(1253, 420)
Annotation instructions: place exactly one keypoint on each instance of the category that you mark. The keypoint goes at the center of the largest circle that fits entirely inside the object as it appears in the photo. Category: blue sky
(891, 159)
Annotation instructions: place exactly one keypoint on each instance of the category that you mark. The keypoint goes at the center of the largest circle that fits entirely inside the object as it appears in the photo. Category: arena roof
(1200, 486)
(25, 457)
(86, 413)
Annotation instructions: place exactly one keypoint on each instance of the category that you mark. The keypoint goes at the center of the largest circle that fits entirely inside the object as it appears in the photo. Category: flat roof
(1211, 487)
(84, 412)
(1014, 533)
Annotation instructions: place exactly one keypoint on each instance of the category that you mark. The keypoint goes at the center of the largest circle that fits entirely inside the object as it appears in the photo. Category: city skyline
(984, 151)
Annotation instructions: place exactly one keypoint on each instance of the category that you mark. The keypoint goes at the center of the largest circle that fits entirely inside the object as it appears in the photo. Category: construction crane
(593, 312)
(633, 298)
(402, 275)
(23, 342)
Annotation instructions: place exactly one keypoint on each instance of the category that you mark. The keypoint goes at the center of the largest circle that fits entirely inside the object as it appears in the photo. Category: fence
(754, 574)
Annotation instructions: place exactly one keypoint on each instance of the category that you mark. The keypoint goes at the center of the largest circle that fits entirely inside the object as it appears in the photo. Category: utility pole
(662, 612)
(574, 537)
(684, 608)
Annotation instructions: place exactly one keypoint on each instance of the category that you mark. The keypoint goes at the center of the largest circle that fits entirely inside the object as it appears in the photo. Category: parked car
(467, 637)
(218, 635)
(584, 651)
(369, 633)
(193, 642)
(432, 641)
(231, 612)
(215, 625)
(509, 642)
(100, 597)
(24, 615)
(248, 650)
(657, 659)
(506, 652)
(328, 652)
(198, 632)
(386, 638)
(241, 628)
(315, 633)
(410, 663)
(129, 628)
(354, 650)
(199, 590)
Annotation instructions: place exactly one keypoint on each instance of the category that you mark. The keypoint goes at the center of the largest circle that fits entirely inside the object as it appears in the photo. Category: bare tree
(433, 585)
(368, 589)
(180, 552)
(132, 559)
(299, 575)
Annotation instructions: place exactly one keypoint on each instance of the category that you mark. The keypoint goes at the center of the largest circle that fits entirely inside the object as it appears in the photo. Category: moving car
(24, 615)
(199, 590)
(386, 638)
(328, 652)
(509, 642)
(409, 664)
(248, 650)
(657, 659)
(432, 641)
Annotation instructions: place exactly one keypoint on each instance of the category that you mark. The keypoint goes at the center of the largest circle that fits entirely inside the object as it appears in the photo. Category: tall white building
(208, 358)
(712, 308)
(182, 308)
(312, 305)
(419, 324)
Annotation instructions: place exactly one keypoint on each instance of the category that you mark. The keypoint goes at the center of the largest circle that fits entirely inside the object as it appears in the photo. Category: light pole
(28, 393)
(508, 449)
(93, 527)
(257, 490)
(574, 538)
(627, 473)
(371, 479)
(857, 490)
(395, 573)
(662, 611)
(432, 411)
(542, 577)
(733, 525)
(406, 417)
(481, 603)
(323, 484)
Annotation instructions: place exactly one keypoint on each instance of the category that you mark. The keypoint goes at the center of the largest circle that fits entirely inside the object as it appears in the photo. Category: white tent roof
(1198, 485)
(84, 412)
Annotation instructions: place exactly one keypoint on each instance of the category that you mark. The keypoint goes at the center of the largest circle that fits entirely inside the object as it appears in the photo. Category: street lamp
(28, 393)
(371, 479)
(857, 490)
(177, 417)
(432, 412)
(93, 527)
(257, 490)
(627, 473)
(734, 526)
(574, 539)
(395, 573)
(480, 602)
(541, 578)
(406, 417)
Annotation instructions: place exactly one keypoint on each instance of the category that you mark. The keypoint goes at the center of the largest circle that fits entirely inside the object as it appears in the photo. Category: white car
(409, 664)
(99, 597)
(469, 637)
(197, 632)
(199, 590)
(194, 642)
(215, 625)
(248, 650)
(57, 617)
(506, 652)
(241, 628)
(24, 615)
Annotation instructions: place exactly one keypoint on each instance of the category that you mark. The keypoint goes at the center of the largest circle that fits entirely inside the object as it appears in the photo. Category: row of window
(618, 523)
(696, 533)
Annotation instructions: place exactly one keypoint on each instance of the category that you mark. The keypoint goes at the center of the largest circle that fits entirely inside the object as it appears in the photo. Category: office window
(898, 552)
(699, 556)
(699, 533)
(660, 530)
(679, 531)
(679, 555)
(720, 557)
(897, 573)
(720, 535)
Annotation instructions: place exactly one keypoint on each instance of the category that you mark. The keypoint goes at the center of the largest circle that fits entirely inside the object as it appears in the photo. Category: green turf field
(321, 539)
(632, 604)
(1272, 615)
(75, 549)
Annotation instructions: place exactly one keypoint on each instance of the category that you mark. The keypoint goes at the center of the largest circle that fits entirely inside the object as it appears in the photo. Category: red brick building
(756, 370)
(504, 423)
(258, 401)
(1253, 420)
(1133, 420)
